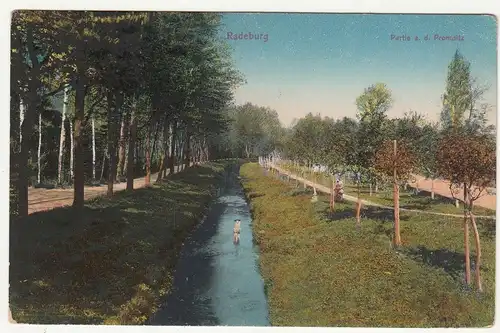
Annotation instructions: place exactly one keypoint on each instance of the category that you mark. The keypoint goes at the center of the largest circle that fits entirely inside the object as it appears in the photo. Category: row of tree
(460, 148)
(129, 92)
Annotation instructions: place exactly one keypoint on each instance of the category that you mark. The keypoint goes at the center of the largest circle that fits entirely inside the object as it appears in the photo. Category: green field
(407, 199)
(112, 264)
(319, 270)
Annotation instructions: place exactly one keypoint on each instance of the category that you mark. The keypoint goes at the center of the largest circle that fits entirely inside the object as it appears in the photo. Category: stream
(217, 282)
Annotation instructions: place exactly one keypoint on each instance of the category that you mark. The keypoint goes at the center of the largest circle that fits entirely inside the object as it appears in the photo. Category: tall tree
(458, 93)
(372, 106)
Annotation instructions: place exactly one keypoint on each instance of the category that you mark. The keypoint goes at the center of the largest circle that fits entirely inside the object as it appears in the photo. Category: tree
(469, 163)
(372, 106)
(457, 99)
(166, 80)
(397, 161)
(62, 137)
(426, 147)
(34, 52)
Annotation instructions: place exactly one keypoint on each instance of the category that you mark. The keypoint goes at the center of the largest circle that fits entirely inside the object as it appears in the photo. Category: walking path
(40, 199)
(442, 187)
(325, 189)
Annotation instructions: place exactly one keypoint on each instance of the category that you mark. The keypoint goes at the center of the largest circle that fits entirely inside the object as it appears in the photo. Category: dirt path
(325, 189)
(40, 199)
(442, 188)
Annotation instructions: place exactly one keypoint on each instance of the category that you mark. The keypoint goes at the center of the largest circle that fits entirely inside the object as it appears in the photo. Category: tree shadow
(80, 268)
(254, 195)
(437, 198)
(487, 228)
(451, 262)
(340, 215)
(380, 214)
(193, 274)
(345, 210)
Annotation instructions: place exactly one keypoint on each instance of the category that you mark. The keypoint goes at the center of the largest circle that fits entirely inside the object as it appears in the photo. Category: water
(217, 282)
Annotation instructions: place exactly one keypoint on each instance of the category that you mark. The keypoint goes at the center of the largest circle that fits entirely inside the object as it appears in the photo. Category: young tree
(469, 163)
(372, 106)
(397, 161)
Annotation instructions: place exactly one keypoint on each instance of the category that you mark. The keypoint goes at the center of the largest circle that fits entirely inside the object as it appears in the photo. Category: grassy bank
(114, 263)
(408, 199)
(320, 271)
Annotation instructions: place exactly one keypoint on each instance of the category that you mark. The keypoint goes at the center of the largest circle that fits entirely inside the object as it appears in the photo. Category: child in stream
(236, 231)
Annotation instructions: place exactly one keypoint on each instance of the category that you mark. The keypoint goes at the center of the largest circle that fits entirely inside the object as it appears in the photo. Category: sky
(320, 63)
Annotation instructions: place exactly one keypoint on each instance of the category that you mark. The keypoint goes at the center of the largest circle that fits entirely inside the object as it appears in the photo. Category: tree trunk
(112, 114)
(332, 196)
(397, 234)
(432, 188)
(21, 119)
(26, 121)
(153, 150)
(121, 153)
(202, 150)
(147, 178)
(93, 148)
(358, 213)
(39, 155)
(478, 251)
(137, 156)
(72, 151)
(187, 150)
(23, 156)
(131, 146)
(79, 180)
(371, 191)
(376, 186)
(173, 133)
(180, 150)
(207, 153)
(247, 152)
(103, 163)
(164, 160)
(62, 138)
(466, 240)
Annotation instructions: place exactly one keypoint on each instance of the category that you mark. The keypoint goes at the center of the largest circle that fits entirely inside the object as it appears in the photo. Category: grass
(319, 270)
(407, 199)
(114, 262)
(420, 201)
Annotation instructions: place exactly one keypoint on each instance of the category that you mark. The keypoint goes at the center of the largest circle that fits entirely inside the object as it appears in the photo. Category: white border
(361, 6)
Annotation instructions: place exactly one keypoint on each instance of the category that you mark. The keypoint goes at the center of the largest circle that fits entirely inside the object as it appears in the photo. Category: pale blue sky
(320, 63)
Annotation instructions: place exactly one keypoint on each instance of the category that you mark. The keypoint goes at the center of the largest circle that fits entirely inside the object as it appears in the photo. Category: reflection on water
(218, 282)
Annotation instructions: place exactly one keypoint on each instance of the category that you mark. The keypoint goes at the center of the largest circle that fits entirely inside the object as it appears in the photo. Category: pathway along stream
(217, 282)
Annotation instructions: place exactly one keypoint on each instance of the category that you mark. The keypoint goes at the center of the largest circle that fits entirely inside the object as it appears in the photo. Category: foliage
(467, 161)
(463, 106)
(372, 107)
(456, 99)
(403, 162)
(419, 287)
(171, 69)
(253, 130)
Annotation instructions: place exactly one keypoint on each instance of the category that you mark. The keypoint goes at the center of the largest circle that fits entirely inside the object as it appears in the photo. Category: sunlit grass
(319, 270)
(113, 263)
(408, 199)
